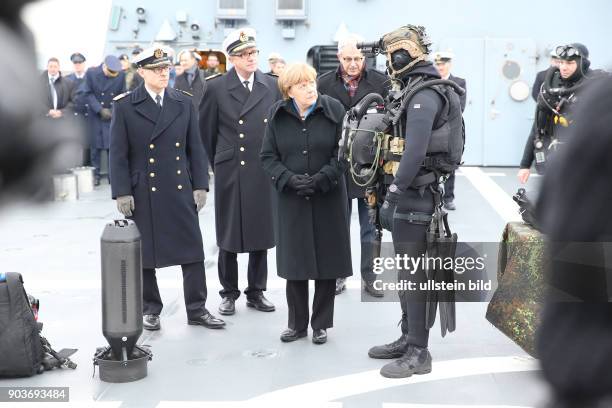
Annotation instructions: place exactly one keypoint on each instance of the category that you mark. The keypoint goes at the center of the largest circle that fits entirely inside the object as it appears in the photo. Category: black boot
(395, 349)
(417, 360)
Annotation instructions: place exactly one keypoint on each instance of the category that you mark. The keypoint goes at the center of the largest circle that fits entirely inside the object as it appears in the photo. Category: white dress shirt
(250, 79)
(153, 95)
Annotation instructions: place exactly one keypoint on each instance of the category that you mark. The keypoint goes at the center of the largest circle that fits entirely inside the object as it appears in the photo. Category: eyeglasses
(348, 60)
(303, 86)
(246, 55)
(160, 70)
(567, 51)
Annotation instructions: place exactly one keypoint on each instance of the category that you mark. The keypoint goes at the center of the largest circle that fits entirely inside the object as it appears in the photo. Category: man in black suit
(159, 180)
(192, 79)
(443, 62)
(58, 91)
(233, 117)
(349, 84)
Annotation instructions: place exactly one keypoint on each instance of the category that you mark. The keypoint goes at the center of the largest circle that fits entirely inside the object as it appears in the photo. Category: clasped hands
(305, 185)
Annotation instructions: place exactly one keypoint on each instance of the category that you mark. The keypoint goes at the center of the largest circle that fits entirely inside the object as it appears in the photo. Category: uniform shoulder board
(120, 96)
(185, 92)
(273, 75)
(214, 76)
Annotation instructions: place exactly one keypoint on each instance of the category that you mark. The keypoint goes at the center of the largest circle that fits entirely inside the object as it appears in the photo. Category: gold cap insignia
(243, 37)
(158, 53)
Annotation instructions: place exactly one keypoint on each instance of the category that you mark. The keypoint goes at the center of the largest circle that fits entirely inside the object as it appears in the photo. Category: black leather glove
(299, 182)
(106, 114)
(321, 183)
(387, 210)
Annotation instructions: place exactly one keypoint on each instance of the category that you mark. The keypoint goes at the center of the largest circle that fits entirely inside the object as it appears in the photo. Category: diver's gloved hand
(387, 210)
(125, 205)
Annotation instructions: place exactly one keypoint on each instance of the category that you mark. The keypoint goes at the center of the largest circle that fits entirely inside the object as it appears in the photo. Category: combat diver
(429, 115)
(560, 90)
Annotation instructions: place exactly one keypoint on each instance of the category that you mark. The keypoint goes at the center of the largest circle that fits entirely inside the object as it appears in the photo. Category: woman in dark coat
(300, 155)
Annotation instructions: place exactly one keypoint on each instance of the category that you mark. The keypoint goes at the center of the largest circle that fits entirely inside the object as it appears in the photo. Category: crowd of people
(86, 93)
(271, 140)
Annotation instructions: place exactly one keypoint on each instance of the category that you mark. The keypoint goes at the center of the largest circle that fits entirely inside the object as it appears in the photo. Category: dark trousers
(96, 157)
(368, 236)
(449, 188)
(194, 290)
(257, 273)
(410, 239)
(322, 304)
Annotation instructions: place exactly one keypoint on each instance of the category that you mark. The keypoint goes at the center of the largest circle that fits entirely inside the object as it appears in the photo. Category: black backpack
(20, 343)
(447, 141)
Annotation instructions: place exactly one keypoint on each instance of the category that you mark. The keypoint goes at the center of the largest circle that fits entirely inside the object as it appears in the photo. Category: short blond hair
(293, 75)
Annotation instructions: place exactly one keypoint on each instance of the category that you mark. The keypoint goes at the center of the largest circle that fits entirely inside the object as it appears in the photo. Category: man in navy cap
(137, 50)
(78, 68)
(233, 117)
(159, 178)
(100, 86)
(80, 105)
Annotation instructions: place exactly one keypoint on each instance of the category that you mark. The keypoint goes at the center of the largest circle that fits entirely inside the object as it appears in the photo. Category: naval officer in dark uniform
(159, 180)
(100, 86)
(233, 117)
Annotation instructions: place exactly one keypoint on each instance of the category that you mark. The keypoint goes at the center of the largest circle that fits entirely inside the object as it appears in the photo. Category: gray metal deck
(56, 247)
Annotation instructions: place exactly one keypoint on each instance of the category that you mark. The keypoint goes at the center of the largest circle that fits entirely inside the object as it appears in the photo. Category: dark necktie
(246, 85)
(53, 92)
(190, 77)
(158, 101)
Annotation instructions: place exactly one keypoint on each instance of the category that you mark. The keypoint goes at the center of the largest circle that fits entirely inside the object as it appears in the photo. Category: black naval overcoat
(312, 235)
(158, 158)
(98, 91)
(232, 125)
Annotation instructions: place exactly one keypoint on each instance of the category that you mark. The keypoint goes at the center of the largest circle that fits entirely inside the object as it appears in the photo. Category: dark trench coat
(160, 161)
(232, 125)
(312, 235)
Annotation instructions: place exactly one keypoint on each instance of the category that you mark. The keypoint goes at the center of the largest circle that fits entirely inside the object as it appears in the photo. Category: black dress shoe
(290, 335)
(207, 320)
(151, 322)
(319, 336)
(340, 285)
(260, 303)
(227, 306)
(97, 181)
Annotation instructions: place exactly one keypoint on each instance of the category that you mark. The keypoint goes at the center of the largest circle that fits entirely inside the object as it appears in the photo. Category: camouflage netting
(515, 306)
